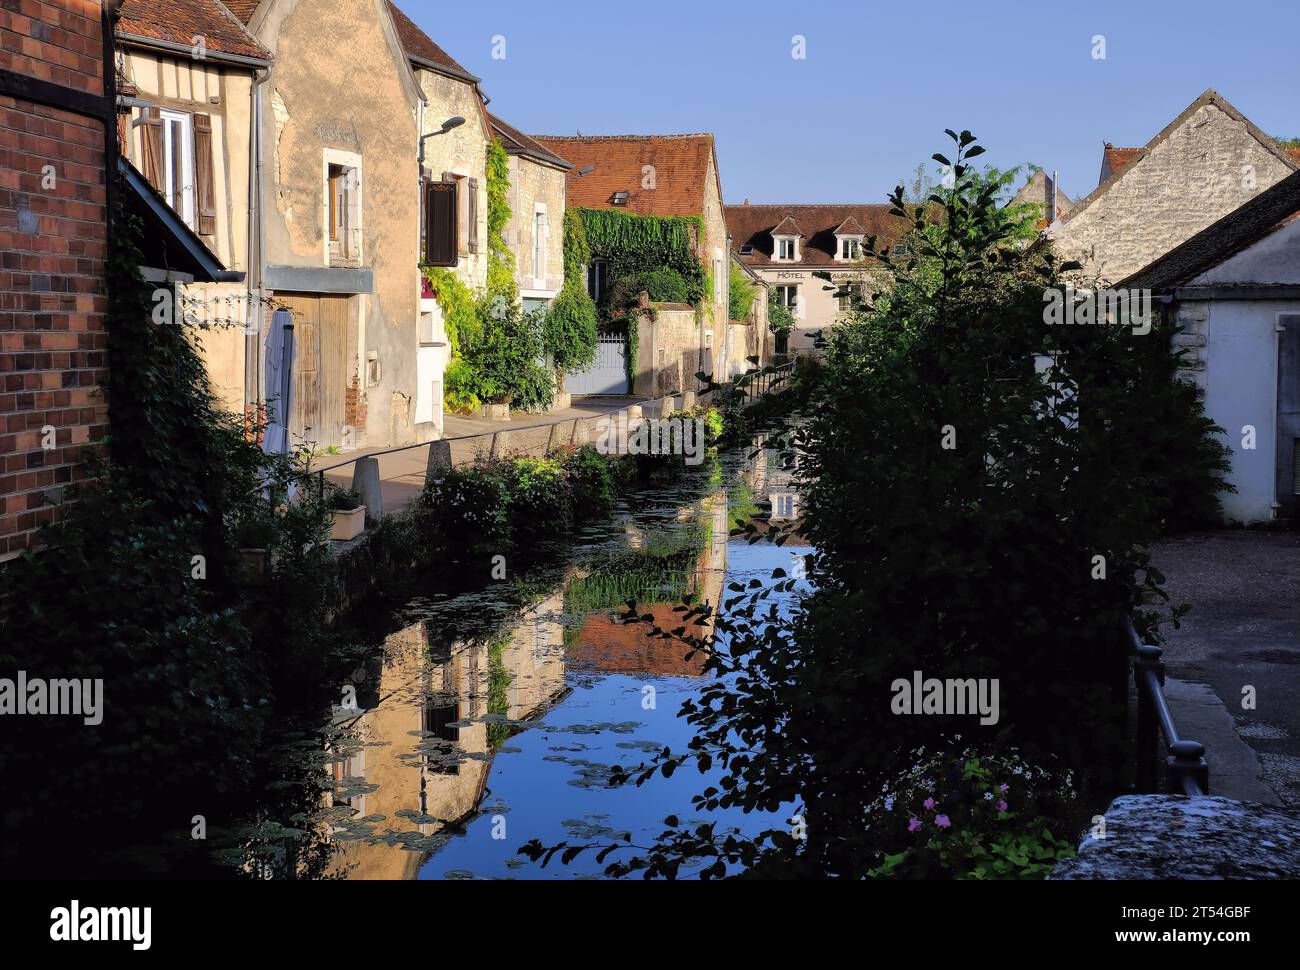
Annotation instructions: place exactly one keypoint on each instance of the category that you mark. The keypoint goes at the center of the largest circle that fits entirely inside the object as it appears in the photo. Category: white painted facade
(1233, 343)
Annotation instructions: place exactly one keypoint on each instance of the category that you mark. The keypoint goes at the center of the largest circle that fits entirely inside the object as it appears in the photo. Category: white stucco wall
(1240, 381)
(1234, 349)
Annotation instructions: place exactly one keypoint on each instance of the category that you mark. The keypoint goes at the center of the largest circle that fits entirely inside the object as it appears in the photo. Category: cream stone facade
(1207, 162)
(339, 221)
(535, 231)
(180, 92)
(820, 241)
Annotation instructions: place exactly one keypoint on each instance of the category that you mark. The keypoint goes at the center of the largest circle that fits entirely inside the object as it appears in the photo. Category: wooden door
(319, 368)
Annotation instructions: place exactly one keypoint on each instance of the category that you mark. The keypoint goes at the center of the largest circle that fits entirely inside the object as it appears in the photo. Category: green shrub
(590, 479)
(740, 294)
(540, 499)
(570, 332)
(714, 424)
(972, 815)
(473, 506)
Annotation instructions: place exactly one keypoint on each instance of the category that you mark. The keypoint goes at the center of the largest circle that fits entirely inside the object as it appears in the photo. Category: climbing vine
(501, 261)
(571, 329)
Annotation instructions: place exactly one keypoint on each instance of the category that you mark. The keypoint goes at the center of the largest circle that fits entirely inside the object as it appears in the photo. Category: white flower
(988, 796)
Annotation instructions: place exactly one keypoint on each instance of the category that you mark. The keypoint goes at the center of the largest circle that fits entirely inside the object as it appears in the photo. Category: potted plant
(349, 514)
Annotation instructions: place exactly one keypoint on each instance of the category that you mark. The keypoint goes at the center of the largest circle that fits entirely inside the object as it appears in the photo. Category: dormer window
(785, 241)
(620, 198)
(850, 248)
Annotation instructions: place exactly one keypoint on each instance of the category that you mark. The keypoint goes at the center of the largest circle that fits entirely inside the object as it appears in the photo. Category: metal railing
(765, 380)
(1185, 770)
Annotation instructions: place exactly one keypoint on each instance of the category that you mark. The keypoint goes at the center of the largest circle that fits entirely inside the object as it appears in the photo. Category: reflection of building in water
(608, 644)
(422, 752)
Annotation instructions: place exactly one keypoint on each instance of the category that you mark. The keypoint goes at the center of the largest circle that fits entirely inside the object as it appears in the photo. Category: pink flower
(1002, 804)
(928, 804)
(913, 825)
(942, 821)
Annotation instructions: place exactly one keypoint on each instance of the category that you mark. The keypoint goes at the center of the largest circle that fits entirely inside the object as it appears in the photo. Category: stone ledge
(1177, 837)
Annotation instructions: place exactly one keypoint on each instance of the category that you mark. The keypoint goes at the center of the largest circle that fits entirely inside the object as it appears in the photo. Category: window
(747, 250)
(436, 720)
(342, 207)
(785, 249)
(539, 246)
(177, 185)
(847, 295)
(471, 215)
(441, 223)
(788, 296)
(596, 273)
(619, 198)
(850, 248)
(900, 249)
(719, 283)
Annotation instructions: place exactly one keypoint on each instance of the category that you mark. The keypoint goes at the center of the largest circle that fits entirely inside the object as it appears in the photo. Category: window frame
(188, 201)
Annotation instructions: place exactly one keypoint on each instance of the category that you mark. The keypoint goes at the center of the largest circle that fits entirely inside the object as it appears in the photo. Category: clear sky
(880, 81)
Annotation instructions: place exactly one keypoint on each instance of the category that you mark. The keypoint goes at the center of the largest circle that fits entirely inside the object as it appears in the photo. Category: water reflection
(481, 724)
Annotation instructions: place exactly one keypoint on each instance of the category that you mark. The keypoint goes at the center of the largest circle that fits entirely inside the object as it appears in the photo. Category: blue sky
(880, 81)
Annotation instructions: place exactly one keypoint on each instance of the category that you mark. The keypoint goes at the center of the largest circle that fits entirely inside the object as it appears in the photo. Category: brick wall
(53, 238)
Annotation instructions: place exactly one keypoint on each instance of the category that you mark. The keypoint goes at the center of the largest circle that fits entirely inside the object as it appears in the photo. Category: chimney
(1051, 201)
(746, 202)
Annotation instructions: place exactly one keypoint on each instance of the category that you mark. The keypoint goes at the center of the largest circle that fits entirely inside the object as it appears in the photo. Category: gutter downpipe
(253, 317)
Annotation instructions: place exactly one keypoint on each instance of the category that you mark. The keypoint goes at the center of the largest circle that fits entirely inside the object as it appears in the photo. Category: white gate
(607, 374)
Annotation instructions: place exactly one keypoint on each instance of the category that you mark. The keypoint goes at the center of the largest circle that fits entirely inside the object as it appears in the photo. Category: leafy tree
(976, 484)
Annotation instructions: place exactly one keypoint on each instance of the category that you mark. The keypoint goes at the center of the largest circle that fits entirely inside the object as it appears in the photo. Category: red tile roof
(243, 9)
(752, 225)
(1114, 159)
(179, 21)
(420, 46)
(680, 165)
(517, 143)
(850, 227)
(787, 227)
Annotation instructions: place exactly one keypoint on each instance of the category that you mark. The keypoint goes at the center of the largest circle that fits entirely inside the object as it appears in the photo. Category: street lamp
(582, 171)
(453, 122)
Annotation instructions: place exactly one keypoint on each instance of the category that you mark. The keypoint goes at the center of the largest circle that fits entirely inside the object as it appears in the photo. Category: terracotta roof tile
(680, 165)
(243, 9)
(752, 225)
(178, 21)
(419, 45)
(1114, 159)
(850, 227)
(517, 143)
(787, 227)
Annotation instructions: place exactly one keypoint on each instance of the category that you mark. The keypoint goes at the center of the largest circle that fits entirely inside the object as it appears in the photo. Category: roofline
(689, 134)
(437, 68)
(196, 247)
(210, 54)
(1208, 96)
(811, 205)
(549, 159)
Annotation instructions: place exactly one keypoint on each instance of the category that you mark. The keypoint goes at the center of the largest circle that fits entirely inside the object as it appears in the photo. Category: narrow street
(1243, 631)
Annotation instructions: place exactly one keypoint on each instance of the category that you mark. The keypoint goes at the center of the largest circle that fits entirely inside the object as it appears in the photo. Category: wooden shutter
(472, 227)
(151, 149)
(203, 189)
(440, 219)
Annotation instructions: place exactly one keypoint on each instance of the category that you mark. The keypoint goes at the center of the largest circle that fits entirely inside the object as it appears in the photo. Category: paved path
(1243, 631)
(402, 473)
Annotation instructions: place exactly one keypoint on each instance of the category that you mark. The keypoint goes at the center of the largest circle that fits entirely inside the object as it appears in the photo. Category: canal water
(490, 718)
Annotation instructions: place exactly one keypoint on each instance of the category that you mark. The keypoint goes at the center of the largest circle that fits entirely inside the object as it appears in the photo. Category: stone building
(1207, 162)
(535, 232)
(1043, 190)
(787, 245)
(662, 175)
(1234, 290)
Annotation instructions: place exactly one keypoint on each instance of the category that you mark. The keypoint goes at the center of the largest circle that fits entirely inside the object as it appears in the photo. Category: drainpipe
(253, 261)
